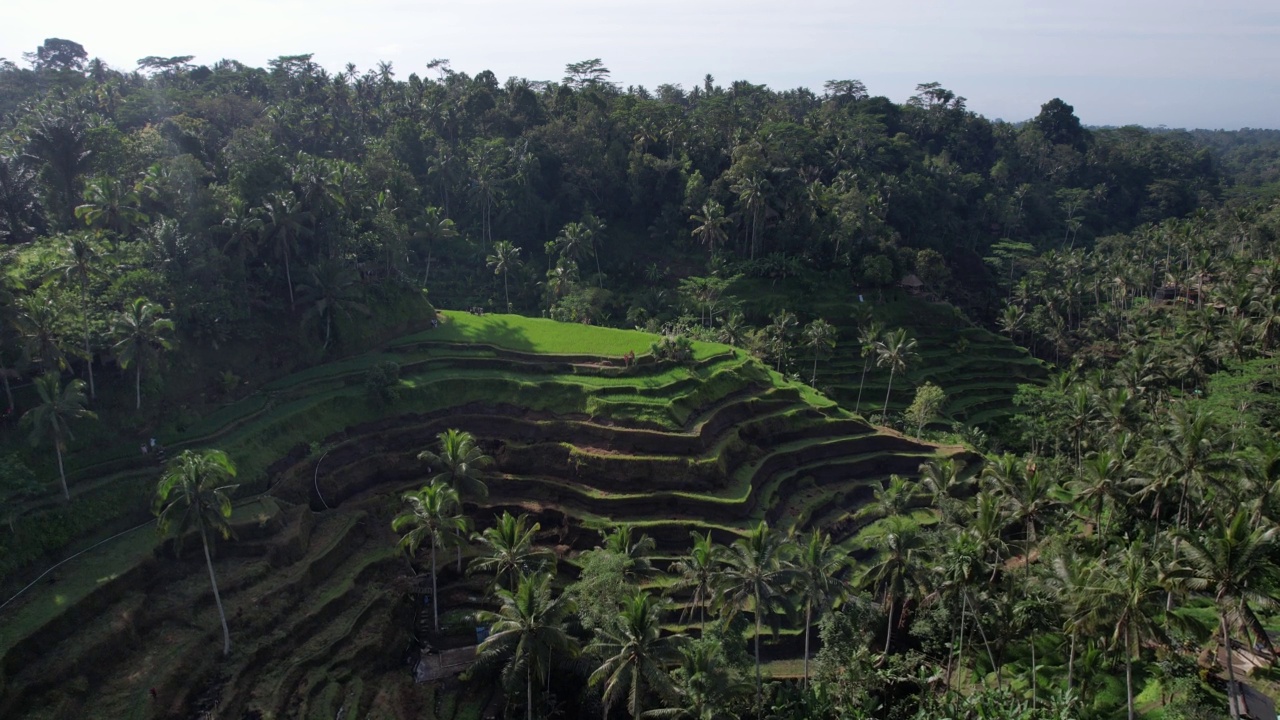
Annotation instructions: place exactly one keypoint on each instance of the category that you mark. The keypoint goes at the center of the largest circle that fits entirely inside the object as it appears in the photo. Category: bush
(673, 347)
(382, 382)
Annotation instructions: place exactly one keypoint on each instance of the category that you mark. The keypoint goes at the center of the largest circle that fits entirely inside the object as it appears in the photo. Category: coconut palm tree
(284, 222)
(505, 258)
(37, 323)
(331, 288)
(697, 572)
(434, 515)
(819, 335)
(507, 550)
(895, 351)
(79, 268)
(140, 333)
(710, 225)
(459, 462)
(527, 634)
(1127, 599)
(634, 551)
(899, 571)
(433, 226)
(754, 578)
(636, 655)
(110, 204)
(1232, 562)
(868, 335)
(192, 493)
(51, 420)
(818, 569)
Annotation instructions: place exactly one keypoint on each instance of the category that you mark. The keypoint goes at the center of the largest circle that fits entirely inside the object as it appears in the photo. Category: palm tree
(821, 336)
(1127, 600)
(574, 242)
(140, 332)
(697, 572)
(190, 494)
(1232, 562)
(332, 288)
(505, 258)
(79, 268)
(434, 514)
(37, 324)
(507, 550)
(895, 351)
(61, 143)
(634, 551)
(711, 223)
(460, 461)
(818, 567)
(51, 419)
(899, 571)
(110, 204)
(526, 634)
(636, 655)
(868, 335)
(284, 221)
(754, 578)
(434, 226)
(243, 230)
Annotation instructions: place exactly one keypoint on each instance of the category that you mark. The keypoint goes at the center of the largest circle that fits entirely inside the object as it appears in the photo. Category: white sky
(1181, 63)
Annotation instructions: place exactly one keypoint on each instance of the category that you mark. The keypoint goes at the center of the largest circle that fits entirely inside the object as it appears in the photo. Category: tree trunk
(759, 683)
(137, 380)
(863, 381)
(505, 292)
(62, 474)
(1128, 681)
(1233, 694)
(529, 693)
(960, 651)
(217, 599)
(84, 310)
(435, 603)
(288, 278)
(1071, 661)
(808, 618)
(885, 410)
(888, 630)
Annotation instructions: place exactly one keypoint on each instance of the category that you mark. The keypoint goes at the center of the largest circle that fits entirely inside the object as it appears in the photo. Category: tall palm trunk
(892, 367)
(759, 683)
(137, 381)
(808, 618)
(435, 602)
(863, 381)
(888, 630)
(84, 310)
(1233, 692)
(62, 474)
(288, 278)
(1128, 681)
(217, 599)
(528, 690)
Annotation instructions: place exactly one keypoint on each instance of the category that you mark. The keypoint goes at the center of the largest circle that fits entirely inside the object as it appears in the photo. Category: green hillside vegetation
(799, 405)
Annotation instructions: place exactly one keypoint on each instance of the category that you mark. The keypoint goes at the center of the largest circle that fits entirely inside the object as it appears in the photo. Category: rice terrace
(353, 394)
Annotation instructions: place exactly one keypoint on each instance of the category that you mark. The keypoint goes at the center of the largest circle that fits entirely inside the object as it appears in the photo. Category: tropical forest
(424, 394)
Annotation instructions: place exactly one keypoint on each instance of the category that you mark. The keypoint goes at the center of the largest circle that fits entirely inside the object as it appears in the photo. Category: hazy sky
(1181, 63)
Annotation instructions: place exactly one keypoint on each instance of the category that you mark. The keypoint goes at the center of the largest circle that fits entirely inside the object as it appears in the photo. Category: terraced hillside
(317, 596)
(978, 370)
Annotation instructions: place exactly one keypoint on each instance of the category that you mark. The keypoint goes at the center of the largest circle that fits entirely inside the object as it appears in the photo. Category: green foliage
(924, 407)
(675, 348)
(382, 382)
